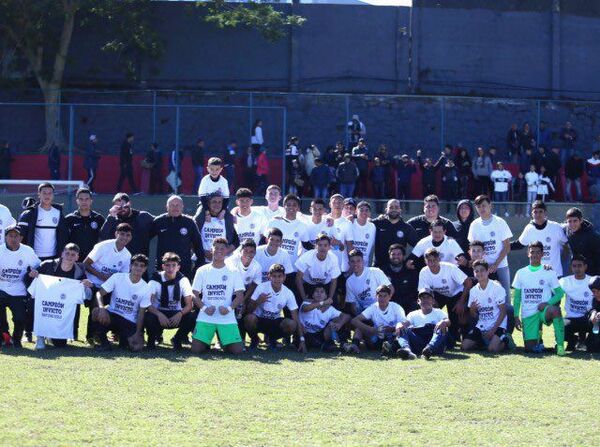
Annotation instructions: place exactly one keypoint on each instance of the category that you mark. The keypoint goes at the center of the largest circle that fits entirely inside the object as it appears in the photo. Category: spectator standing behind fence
(229, 163)
(91, 159)
(464, 165)
(175, 162)
(568, 135)
(384, 159)
(449, 182)
(291, 153)
(428, 173)
(545, 185)
(311, 154)
(526, 138)
(482, 169)
(126, 163)
(54, 162)
(378, 178)
(356, 130)
(513, 142)
(249, 164)
(262, 171)
(154, 161)
(502, 179)
(592, 167)
(320, 178)
(256, 139)
(405, 168)
(573, 173)
(6, 159)
(296, 181)
(544, 135)
(531, 179)
(197, 155)
(360, 155)
(347, 175)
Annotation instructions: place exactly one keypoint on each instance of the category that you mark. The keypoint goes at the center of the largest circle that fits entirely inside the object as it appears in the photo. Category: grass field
(76, 396)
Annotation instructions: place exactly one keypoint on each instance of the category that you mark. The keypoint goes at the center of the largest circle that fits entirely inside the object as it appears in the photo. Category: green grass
(75, 396)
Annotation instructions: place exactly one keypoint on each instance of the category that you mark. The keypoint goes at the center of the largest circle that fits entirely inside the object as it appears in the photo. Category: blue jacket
(320, 176)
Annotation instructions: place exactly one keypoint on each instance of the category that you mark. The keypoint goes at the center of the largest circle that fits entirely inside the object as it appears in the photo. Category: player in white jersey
(265, 311)
(318, 223)
(451, 289)
(448, 247)
(317, 266)
(548, 232)
(341, 231)
(249, 223)
(578, 303)
(378, 324)
(272, 209)
(272, 253)
(362, 231)
(124, 316)
(537, 294)
(6, 220)
(487, 305)
(362, 284)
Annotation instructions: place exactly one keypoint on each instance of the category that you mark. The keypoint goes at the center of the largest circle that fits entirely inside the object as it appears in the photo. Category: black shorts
(315, 339)
(121, 326)
(270, 327)
(476, 335)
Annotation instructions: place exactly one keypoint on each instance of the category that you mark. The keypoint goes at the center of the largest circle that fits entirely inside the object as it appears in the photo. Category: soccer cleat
(387, 350)
(406, 354)
(6, 340)
(29, 337)
(103, 347)
(426, 353)
(510, 343)
(539, 348)
(350, 348)
(560, 350)
(40, 344)
(176, 344)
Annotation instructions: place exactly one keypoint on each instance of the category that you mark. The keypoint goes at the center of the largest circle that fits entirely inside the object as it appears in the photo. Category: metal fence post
(283, 160)
(442, 123)
(539, 119)
(176, 156)
(154, 116)
(251, 116)
(347, 99)
(71, 137)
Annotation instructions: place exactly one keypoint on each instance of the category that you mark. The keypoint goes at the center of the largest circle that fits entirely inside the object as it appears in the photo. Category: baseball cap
(350, 201)
(594, 282)
(425, 291)
(12, 228)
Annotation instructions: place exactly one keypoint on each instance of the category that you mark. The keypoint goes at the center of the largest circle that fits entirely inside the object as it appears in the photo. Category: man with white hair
(177, 233)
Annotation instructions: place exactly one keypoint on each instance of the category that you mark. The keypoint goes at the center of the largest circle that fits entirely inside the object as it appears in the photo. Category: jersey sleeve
(440, 315)
(368, 313)
(238, 283)
(350, 295)
(290, 301)
(34, 261)
(198, 280)
(335, 270)
(185, 287)
(505, 230)
(423, 279)
(524, 237)
(499, 294)
(471, 234)
(516, 284)
(203, 188)
(287, 262)
(455, 248)
(472, 298)
(109, 284)
(125, 266)
(146, 302)
(458, 275)
(256, 276)
(332, 313)
(257, 292)
(94, 255)
(554, 280)
(382, 278)
(302, 262)
(419, 249)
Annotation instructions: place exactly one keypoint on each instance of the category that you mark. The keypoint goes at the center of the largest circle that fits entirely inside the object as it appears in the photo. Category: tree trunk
(52, 114)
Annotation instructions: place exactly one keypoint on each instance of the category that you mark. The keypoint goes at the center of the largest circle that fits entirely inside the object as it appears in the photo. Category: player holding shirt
(124, 316)
(213, 225)
(265, 311)
(362, 231)
(578, 302)
(536, 298)
(448, 247)
(451, 289)
(214, 286)
(272, 253)
(488, 309)
(361, 285)
(249, 223)
(170, 288)
(385, 317)
(317, 267)
(321, 321)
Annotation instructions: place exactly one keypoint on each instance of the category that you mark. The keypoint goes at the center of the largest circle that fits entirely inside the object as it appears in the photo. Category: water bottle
(596, 328)
(335, 337)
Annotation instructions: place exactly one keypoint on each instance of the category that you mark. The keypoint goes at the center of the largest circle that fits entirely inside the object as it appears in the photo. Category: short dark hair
(318, 202)
(318, 286)
(432, 251)
(291, 197)
(482, 263)
(72, 246)
(139, 258)
(538, 205)
(124, 228)
(437, 223)
(215, 161)
(482, 198)
(248, 243)
(579, 258)
(274, 232)
(243, 193)
(220, 240)
(384, 288)
(170, 257)
(477, 243)
(277, 268)
(84, 190)
(431, 198)
(536, 244)
(45, 185)
(323, 237)
(574, 212)
(355, 252)
(397, 247)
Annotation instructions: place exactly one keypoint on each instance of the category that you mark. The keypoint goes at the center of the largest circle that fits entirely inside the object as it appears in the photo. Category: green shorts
(532, 325)
(228, 333)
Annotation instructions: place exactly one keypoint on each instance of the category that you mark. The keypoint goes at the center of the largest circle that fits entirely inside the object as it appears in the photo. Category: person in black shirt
(465, 214)
(404, 280)
(390, 229)
(84, 224)
(177, 233)
(126, 163)
(197, 154)
(431, 210)
(583, 239)
(140, 221)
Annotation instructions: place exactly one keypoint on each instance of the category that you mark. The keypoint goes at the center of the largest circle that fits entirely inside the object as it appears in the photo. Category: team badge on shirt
(368, 281)
(367, 236)
(224, 278)
(94, 225)
(63, 296)
(20, 262)
(252, 226)
(400, 233)
(586, 293)
(134, 297)
(548, 239)
(120, 263)
(183, 231)
(541, 282)
(444, 281)
(55, 220)
(296, 234)
(489, 300)
(492, 233)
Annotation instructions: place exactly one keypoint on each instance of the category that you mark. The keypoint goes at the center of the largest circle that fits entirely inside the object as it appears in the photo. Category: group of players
(273, 275)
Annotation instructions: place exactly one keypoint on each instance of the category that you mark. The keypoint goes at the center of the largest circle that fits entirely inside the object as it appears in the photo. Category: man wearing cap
(90, 162)
(16, 261)
(178, 233)
(391, 229)
(140, 221)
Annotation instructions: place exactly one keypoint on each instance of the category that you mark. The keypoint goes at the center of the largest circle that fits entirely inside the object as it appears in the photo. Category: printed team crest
(326, 274)
(183, 231)
(367, 236)
(55, 220)
(586, 293)
(542, 282)
(296, 234)
(338, 229)
(63, 296)
(252, 226)
(444, 281)
(224, 278)
(20, 262)
(368, 281)
(400, 233)
(134, 297)
(492, 233)
(94, 225)
(548, 239)
(120, 263)
(489, 300)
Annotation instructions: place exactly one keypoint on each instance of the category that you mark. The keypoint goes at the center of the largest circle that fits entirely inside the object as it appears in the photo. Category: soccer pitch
(76, 396)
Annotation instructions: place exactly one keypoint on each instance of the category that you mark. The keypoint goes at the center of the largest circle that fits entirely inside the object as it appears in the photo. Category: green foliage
(258, 15)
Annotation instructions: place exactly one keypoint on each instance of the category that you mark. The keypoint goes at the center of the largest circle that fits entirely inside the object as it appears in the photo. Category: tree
(41, 31)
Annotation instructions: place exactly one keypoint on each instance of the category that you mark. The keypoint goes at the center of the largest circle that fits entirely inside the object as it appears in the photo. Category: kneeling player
(487, 305)
(377, 324)
(265, 311)
(124, 316)
(170, 288)
(593, 340)
(426, 329)
(321, 321)
(578, 302)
